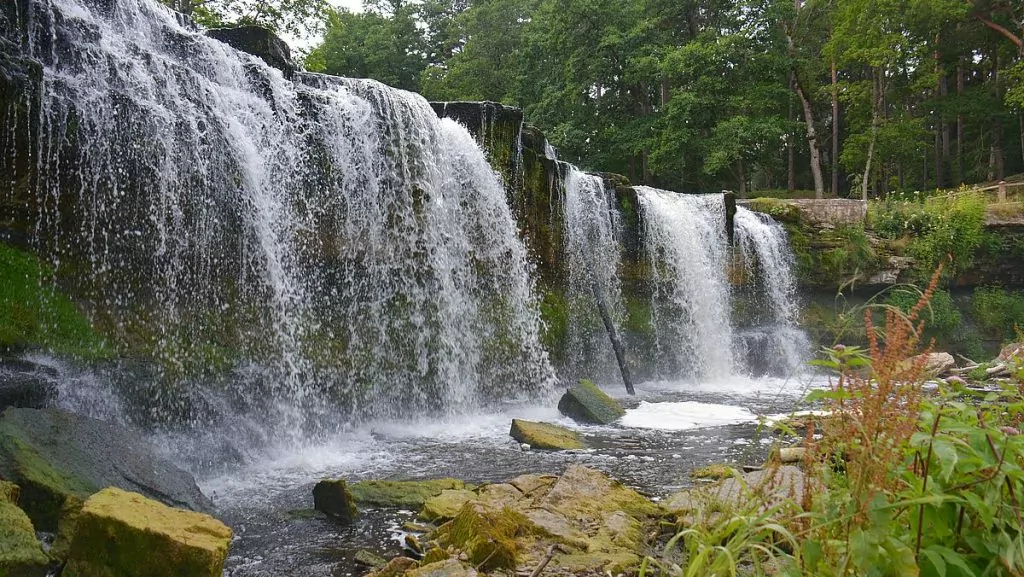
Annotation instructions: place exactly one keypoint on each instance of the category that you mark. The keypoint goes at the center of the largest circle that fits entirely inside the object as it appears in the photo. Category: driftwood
(609, 325)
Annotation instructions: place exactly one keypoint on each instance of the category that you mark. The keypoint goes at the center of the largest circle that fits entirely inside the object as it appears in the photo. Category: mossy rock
(586, 403)
(332, 496)
(410, 494)
(446, 568)
(396, 567)
(487, 536)
(54, 455)
(715, 471)
(446, 505)
(9, 492)
(21, 554)
(545, 435)
(584, 492)
(125, 534)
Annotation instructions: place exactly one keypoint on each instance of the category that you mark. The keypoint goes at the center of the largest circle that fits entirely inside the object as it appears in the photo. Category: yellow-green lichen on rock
(446, 568)
(489, 537)
(21, 554)
(401, 493)
(127, 535)
(446, 505)
(9, 492)
(545, 435)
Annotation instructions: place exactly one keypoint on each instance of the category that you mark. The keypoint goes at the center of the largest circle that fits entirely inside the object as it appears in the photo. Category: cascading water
(593, 231)
(331, 239)
(687, 250)
(772, 338)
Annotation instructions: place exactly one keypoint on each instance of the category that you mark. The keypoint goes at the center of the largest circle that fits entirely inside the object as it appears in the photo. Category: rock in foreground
(933, 364)
(53, 454)
(126, 534)
(333, 498)
(585, 403)
(21, 554)
(545, 436)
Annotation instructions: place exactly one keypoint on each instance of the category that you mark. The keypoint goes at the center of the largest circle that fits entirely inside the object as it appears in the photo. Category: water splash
(687, 251)
(775, 339)
(330, 236)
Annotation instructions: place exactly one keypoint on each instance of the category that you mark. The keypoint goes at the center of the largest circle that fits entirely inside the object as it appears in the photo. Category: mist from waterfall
(356, 250)
(687, 251)
(773, 338)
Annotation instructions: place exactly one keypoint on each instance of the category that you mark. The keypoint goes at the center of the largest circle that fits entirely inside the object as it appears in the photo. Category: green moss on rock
(487, 536)
(9, 492)
(21, 554)
(446, 505)
(447, 568)
(33, 313)
(545, 436)
(586, 403)
(401, 493)
(125, 534)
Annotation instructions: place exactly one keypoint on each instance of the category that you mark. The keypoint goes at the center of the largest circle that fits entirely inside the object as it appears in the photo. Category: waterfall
(333, 234)
(593, 237)
(687, 251)
(773, 340)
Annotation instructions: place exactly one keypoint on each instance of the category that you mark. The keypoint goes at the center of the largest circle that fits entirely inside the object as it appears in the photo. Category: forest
(839, 97)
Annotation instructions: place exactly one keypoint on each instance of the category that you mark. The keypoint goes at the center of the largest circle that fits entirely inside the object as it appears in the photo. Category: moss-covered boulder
(586, 403)
(545, 436)
(446, 505)
(9, 492)
(714, 471)
(487, 536)
(53, 455)
(331, 496)
(21, 554)
(126, 534)
(401, 493)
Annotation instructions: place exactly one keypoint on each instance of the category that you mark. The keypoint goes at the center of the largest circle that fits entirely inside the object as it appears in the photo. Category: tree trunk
(996, 155)
(939, 125)
(812, 141)
(959, 124)
(790, 152)
(835, 130)
(876, 118)
(742, 173)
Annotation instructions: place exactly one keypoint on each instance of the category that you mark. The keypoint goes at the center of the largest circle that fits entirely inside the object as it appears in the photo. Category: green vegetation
(33, 313)
(941, 318)
(999, 313)
(901, 481)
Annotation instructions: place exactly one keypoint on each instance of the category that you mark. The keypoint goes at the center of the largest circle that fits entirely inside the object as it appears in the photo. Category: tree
(299, 17)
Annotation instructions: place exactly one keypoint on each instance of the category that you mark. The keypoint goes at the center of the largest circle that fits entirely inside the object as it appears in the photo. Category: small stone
(333, 498)
(369, 559)
(397, 567)
(586, 403)
(545, 435)
(715, 471)
(412, 544)
(792, 454)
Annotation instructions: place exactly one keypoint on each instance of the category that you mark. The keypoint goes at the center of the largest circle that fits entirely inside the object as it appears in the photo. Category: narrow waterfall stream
(593, 237)
(687, 249)
(773, 339)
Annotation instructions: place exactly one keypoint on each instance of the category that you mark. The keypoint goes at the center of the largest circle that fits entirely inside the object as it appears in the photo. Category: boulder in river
(259, 42)
(53, 455)
(331, 496)
(545, 435)
(126, 534)
(1012, 351)
(21, 553)
(933, 364)
(586, 403)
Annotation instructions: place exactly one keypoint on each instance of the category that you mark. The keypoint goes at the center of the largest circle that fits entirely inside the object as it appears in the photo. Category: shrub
(941, 318)
(998, 312)
(955, 232)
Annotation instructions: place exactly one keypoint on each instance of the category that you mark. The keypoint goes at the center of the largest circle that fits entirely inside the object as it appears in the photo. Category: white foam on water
(685, 415)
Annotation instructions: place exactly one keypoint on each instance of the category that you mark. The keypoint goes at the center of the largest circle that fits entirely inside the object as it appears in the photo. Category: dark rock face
(26, 385)
(333, 498)
(260, 42)
(54, 455)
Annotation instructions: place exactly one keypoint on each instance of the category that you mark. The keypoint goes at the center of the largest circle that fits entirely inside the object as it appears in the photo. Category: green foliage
(33, 313)
(777, 208)
(998, 312)
(955, 232)
(296, 17)
(941, 317)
